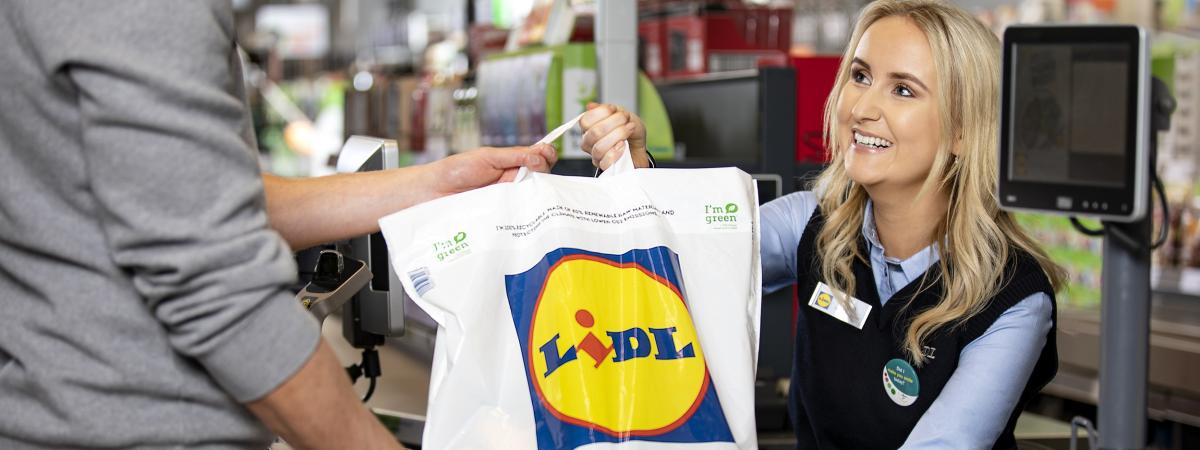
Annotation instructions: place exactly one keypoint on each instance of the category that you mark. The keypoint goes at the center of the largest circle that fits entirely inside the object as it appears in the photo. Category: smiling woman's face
(888, 109)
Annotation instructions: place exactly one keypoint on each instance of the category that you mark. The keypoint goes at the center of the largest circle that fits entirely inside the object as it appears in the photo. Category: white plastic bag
(612, 312)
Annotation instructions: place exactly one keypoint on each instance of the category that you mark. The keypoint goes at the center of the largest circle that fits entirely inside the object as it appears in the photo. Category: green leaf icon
(460, 237)
(731, 208)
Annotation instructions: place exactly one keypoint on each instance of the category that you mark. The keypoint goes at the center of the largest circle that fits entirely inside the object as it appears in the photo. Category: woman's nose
(866, 106)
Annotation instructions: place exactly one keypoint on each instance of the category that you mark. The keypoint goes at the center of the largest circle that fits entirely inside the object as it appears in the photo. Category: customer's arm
(178, 196)
(299, 409)
(310, 211)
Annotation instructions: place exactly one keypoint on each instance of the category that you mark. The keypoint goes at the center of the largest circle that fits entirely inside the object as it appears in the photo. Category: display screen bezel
(1118, 203)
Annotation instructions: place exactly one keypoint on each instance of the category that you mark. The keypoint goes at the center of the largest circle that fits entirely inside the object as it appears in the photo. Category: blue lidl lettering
(624, 345)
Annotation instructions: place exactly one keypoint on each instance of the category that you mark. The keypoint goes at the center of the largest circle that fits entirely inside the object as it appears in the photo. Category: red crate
(815, 76)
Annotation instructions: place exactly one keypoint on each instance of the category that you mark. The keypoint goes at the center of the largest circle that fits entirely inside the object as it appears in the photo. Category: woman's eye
(860, 77)
(904, 91)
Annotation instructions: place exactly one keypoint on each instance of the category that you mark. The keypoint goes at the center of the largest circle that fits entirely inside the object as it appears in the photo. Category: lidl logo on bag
(610, 351)
(721, 216)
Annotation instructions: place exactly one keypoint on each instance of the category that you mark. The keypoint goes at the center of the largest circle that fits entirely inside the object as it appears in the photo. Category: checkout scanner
(1075, 121)
(1079, 115)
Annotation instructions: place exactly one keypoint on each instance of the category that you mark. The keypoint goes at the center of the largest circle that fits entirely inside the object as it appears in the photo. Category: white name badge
(824, 300)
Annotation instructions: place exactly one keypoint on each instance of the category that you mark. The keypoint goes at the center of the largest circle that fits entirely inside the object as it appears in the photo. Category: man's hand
(486, 166)
(604, 127)
(317, 409)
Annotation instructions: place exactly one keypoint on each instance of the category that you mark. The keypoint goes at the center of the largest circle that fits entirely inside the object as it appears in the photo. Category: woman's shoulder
(1023, 268)
(1025, 293)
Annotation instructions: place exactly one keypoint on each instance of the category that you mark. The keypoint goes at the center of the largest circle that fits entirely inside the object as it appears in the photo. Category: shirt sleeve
(177, 188)
(992, 372)
(783, 222)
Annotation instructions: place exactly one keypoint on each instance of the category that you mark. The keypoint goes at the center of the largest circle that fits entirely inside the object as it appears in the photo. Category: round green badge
(900, 382)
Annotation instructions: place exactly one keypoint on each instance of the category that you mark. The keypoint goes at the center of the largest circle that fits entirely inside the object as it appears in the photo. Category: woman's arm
(783, 222)
(992, 371)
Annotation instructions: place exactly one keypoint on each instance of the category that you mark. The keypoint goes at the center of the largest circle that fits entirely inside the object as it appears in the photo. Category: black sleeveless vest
(837, 398)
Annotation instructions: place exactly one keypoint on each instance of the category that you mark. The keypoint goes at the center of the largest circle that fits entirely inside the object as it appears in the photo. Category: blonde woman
(929, 316)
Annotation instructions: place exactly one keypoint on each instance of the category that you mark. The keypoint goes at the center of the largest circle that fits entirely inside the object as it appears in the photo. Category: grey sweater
(142, 294)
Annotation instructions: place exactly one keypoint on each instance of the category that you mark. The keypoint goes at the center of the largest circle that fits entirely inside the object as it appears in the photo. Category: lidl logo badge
(824, 299)
(610, 351)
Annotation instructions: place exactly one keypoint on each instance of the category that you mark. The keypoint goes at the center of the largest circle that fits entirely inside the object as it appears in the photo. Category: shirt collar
(915, 264)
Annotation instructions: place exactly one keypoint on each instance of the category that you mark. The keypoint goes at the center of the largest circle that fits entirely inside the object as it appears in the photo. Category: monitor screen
(725, 135)
(1073, 121)
(1070, 104)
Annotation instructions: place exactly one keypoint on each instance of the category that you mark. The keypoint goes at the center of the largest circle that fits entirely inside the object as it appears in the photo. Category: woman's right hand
(605, 127)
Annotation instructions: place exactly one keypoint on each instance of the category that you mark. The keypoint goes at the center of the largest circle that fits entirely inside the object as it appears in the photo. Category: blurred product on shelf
(1080, 255)
(465, 130)
(521, 93)
(513, 97)
(690, 38)
(815, 76)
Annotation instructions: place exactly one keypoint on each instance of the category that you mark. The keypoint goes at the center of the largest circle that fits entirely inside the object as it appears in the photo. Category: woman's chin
(865, 173)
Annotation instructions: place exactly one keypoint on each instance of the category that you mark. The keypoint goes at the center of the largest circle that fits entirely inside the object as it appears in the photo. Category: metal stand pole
(1125, 308)
(1124, 337)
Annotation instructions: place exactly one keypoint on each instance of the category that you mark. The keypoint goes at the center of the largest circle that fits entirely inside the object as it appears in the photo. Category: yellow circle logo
(824, 299)
(625, 354)
(610, 347)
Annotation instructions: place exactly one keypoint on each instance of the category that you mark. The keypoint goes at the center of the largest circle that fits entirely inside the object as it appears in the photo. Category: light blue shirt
(975, 404)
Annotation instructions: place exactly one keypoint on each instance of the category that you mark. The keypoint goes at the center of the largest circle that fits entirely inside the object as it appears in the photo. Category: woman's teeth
(871, 141)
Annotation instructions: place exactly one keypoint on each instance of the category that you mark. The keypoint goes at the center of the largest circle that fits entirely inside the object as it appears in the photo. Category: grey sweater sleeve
(177, 187)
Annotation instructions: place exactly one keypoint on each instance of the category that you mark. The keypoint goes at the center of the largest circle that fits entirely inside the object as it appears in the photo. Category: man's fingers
(504, 158)
(541, 158)
(549, 153)
(509, 175)
(545, 150)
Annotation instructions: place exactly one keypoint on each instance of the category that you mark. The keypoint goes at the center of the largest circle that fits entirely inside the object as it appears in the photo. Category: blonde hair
(975, 239)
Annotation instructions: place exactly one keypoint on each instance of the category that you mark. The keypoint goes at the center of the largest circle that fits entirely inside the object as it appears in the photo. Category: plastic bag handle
(553, 136)
(623, 164)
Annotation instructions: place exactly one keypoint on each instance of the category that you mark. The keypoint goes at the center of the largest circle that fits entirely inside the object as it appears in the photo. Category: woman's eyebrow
(908, 77)
(895, 75)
